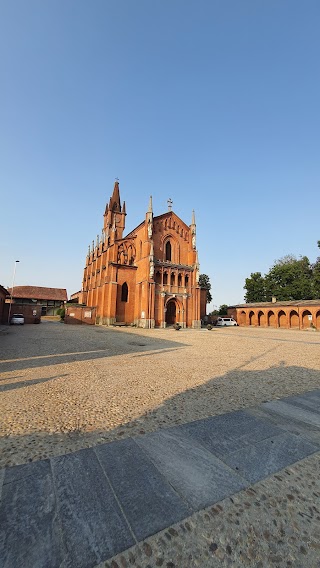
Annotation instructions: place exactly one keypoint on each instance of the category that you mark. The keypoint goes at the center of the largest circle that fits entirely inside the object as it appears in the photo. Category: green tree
(204, 283)
(223, 310)
(316, 277)
(255, 287)
(290, 279)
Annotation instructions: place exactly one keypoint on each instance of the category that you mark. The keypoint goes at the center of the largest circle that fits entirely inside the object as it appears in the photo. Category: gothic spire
(150, 205)
(114, 203)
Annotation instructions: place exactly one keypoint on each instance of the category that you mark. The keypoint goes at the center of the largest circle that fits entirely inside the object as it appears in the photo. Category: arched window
(179, 279)
(124, 292)
(165, 278)
(173, 277)
(186, 281)
(168, 250)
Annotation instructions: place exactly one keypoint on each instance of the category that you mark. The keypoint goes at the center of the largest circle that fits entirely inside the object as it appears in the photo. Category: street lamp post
(13, 279)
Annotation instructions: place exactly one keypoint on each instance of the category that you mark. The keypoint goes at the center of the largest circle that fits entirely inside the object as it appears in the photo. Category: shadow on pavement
(212, 398)
(58, 344)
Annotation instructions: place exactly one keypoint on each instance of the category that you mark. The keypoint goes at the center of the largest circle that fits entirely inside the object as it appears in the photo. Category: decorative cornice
(167, 264)
(131, 266)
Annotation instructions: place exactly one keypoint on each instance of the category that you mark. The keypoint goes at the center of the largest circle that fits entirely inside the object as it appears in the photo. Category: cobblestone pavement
(273, 523)
(66, 388)
(78, 509)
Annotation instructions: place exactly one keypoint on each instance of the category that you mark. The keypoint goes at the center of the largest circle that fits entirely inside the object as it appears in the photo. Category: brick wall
(76, 315)
(31, 312)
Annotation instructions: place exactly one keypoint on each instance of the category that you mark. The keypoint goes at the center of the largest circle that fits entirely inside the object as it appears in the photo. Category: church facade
(148, 278)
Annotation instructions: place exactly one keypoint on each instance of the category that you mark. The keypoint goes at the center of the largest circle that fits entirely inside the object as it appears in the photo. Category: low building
(50, 299)
(3, 311)
(74, 298)
(294, 314)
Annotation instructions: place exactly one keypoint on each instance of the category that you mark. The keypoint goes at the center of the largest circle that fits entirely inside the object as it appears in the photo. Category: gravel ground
(68, 387)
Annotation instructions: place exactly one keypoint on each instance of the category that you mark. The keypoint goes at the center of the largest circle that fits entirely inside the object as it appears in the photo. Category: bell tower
(114, 216)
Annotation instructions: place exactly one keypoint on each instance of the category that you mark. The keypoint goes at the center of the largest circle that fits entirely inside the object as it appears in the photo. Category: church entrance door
(171, 317)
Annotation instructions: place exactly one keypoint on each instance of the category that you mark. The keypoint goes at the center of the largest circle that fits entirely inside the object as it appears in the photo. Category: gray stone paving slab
(30, 533)
(197, 475)
(1, 481)
(92, 522)
(258, 461)
(77, 510)
(229, 432)
(306, 403)
(293, 411)
(149, 502)
(312, 395)
(307, 431)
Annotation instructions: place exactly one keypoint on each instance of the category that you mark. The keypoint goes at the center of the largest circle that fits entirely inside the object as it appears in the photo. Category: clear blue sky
(214, 104)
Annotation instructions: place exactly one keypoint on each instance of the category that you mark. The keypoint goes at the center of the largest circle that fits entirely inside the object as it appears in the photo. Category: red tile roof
(39, 293)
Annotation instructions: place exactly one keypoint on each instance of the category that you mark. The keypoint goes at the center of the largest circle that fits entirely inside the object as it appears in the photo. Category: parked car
(226, 321)
(17, 319)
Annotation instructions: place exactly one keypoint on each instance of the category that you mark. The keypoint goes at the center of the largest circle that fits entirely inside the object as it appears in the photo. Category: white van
(226, 321)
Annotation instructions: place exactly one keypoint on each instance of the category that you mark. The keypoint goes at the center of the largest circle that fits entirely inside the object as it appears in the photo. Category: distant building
(3, 312)
(50, 299)
(75, 297)
(150, 277)
(294, 314)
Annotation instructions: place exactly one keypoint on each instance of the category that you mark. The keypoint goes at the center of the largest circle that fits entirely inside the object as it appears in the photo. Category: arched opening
(124, 292)
(171, 313)
(261, 319)
(317, 322)
(306, 319)
(173, 278)
(242, 318)
(282, 319)
(186, 281)
(271, 319)
(158, 277)
(251, 318)
(165, 278)
(179, 279)
(294, 319)
(168, 251)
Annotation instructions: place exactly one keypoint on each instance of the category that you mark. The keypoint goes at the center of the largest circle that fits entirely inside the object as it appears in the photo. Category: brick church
(150, 277)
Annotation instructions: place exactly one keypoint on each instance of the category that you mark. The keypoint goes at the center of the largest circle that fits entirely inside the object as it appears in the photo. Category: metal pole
(13, 279)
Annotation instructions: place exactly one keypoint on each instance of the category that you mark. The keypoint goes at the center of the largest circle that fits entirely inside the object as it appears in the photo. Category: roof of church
(39, 293)
(166, 214)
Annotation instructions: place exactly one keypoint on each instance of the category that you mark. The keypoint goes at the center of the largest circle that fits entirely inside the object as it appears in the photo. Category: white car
(226, 321)
(17, 319)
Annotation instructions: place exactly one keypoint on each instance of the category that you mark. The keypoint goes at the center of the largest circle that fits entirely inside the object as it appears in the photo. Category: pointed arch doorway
(171, 313)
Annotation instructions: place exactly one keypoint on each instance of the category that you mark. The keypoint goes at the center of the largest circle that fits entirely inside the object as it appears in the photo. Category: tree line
(290, 278)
